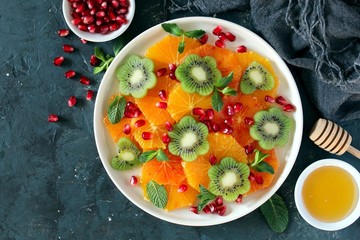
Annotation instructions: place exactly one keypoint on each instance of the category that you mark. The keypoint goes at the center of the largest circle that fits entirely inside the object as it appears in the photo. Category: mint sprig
(276, 213)
(106, 60)
(151, 154)
(116, 109)
(259, 164)
(221, 86)
(157, 194)
(205, 196)
(175, 30)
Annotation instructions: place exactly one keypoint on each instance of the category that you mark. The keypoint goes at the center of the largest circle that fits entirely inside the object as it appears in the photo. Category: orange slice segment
(153, 114)
(156, 131)
(180, 199)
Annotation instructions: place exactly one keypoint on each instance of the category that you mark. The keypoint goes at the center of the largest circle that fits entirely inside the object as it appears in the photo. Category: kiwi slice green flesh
(197, 74)
(128, 156)
(271, 128)
(136, 76)
(256, 77)
(229, 179)
(189, 139)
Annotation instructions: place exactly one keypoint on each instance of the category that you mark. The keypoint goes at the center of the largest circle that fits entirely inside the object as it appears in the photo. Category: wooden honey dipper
(332, 138)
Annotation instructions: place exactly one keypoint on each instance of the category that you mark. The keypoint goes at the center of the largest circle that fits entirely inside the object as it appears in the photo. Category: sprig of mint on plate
(157, 194)
(205, 196)
(116, 109)
(259, 164)
(175, 30)
(151, 154)
(106, 60)
(276, 213)
(221, 86)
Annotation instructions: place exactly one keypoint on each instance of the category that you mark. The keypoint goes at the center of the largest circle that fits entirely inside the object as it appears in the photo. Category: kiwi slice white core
(257, 77)
(271, 128)
(199, 74)
(127, 156)
(188, 140)
(136, 77)
(228, 179)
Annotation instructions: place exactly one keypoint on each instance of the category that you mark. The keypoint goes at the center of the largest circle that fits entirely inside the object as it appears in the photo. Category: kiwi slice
(271, 128)
(256, 77)
(189, 139)
(128, 156)
(136, 76)
(229, 179)
(197, 74)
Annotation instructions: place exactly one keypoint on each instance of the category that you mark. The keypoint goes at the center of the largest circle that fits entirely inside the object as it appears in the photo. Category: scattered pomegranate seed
(53, 118)
(215, 127)
(259, 179)
(168, 126)
(89, 94)
(229, 36)
(58, 61)
(203, 118)
(84, 80)
(221, 210)
(208, 124)
(147, 135)
(212, 160)
(217, 30)
(182, 188)
(281, 100)
(127, 129)
(288, 108)
(68, 48)
(239, 199)
(219, 44)
(230, 110)
(63, 32)
(162, 105)
(219, 201)
(249, 149)
(237, 107)
(249, 121)
(140, 123)
(94, 61)
(212, 207)
(165, 138)
(84, 41)
(71, 101)
(207, 209)
(161, 72)
(198, 111)
(70, 74)
(131, 106)
(172, 75)
(194, 209)
(172, 67)
(210, 113)
(222, 37)
(241, 49)
(204, 39)
(269, 99)
(251, 177)
(229, 121)
(226, 129)
(162, 95)
(133, 180)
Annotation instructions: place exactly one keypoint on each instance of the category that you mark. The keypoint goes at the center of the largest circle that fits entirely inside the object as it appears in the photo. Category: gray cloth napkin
(319, 38)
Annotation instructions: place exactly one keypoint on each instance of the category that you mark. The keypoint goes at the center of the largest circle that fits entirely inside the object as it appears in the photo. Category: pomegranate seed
(72, 101)
(70, 74)
(182, 188)
(84, 80)
(161, 72)
(194, 209)
(281, 100)
(92, 28)
(229, 36)
(94, 61)
(133, 180)
(249, 121)
(82, 27)
(230, 110)
(207, 209)
(219, 201)
(63, 32)
(259, 179)
(93, 11)
(212, 207)
(162, 105)
(162, 95)
(210, 113)
(251, 177)
(269, 99)
(104, 5)
(80, 8)
(123, 11)
(172, 75)
(112, 16)
(58, 61)
(74, 5)
(147, 135)
(137, 113)
(114, 27)
(53, 118)
(203, 118)
(237, 107)
(226, 129)
(198, 111)
(168, 126)
(212, 160)
(104, 29)
(219, 44)
(249, 149)
(288, 108)
(221, 210)
(131, 106)
(120, 20)
(204, 39)
(84, 41)
(88, 19)
(165, 138)
(115, 4)
(98, 22)
(239, 199)
(100, 14)
(68, 48)
(217, 30)
(127, 129)
(140, 123)
(222, 37)
(90, 4)
(241, 49)
(229, 121)
(89, 94)
(172, 67)
(208, 124)
(76, 21)
(76, 15)
(215, 127)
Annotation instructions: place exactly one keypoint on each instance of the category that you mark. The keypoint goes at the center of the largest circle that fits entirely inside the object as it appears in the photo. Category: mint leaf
(264, 167)
(229, 91)
(147, 156)
(216, 101)
(276, 213)
(205, 196)
(99, 69)
(195, 33)
(181, 46)
(99, 54)
(161, 156)
(173, 29)
(116, 109)
(224, 81)
(157, 194)
(118, 45)
(259, 157)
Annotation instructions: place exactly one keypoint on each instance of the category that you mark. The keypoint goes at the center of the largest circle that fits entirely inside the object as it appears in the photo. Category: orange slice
(180, 199)
(153, 114)
(156, 131)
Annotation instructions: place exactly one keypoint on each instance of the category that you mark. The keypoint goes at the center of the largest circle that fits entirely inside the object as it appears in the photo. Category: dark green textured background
(53, 185)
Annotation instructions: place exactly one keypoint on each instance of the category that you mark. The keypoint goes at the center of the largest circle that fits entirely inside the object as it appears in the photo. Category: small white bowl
(97, 37)
(328, 226)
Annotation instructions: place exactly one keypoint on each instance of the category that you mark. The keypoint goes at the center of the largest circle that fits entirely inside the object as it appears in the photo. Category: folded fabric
(320, 38)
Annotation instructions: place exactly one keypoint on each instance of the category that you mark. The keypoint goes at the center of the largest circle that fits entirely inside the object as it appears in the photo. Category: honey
(329, 193)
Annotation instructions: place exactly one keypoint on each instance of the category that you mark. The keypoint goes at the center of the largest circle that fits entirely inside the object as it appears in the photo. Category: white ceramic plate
(287, 154)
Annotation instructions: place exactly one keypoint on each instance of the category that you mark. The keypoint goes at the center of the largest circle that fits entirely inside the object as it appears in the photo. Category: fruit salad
(201, 121)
